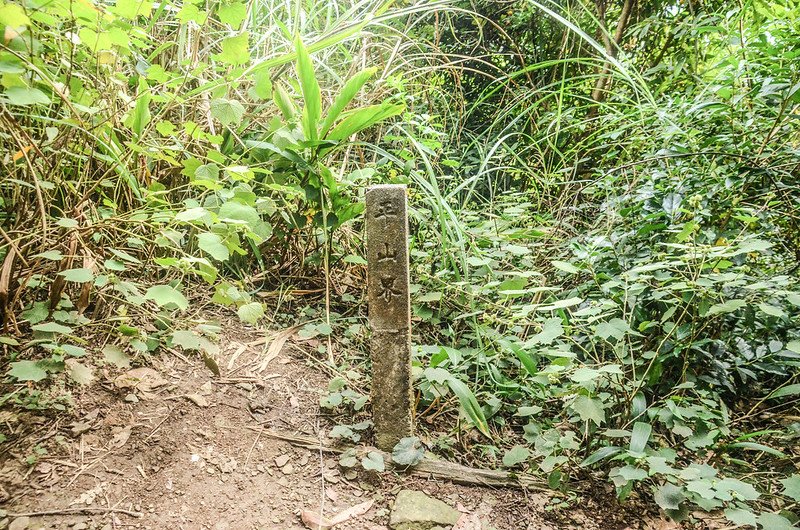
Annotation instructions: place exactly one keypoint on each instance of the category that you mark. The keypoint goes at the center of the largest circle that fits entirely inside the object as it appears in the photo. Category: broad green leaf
(74, 351)
(341, 431)
(669, 497)
(672, 204)
(742, 490)
(687, 230)
(772, 310)
(212, 244)
(262, 85)
(131, 9)
(12, 15)
(233, 13)
(752, 446)
(312, 100)
(192, 214)
(515, 283)
(791, 487)
(640, 436)
(702, 487)
(408, 452)
(124, 256)
(727, 307)
(528, 362)
(794, 346)
(96, 42)
(789, 390)
(81, 275)
(283, 102)
(166, 128)
(227, 111)
(561, 304)
(251, 313)
(741, 517)
(24, 96)
(754, 245)
(166, 295)
(141, 111)
(373, 461)
(27, 371)
(589, 409)
(207, 172)
(36, 313)
(585, 374)
(551, 330)
(189, 12)
(188, 340)
(427, 297)
(236, 211)
(629, 473)
(470, 405)
(774, 521)
(362, 118)
(65, 222)
(601, 454)
(235, 50)
(345, 96)
(113, 354)
(516, 455)
(11, 66)
(114, 265)
(565, 266)
(528, 411)
(52, 327)
(616, 328)
(52, 255)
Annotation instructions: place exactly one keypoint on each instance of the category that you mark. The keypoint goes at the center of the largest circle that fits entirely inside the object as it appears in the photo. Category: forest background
(604, 200)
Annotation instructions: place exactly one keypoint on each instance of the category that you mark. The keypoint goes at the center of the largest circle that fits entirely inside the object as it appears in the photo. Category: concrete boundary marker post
(389, 313)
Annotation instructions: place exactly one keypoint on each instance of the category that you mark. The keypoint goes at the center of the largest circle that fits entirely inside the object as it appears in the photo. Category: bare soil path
(173, 446)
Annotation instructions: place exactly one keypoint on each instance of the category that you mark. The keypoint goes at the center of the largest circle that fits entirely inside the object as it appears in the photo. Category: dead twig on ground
(429, 467)
(67, 511)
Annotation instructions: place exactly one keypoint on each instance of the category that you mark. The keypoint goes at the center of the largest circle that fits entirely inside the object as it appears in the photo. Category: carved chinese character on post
(389, 314)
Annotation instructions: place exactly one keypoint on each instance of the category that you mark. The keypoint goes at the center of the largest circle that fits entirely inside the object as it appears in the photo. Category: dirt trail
(179, 448)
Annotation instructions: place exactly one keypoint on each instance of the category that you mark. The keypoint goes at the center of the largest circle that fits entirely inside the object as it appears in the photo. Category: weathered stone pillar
(389, 314)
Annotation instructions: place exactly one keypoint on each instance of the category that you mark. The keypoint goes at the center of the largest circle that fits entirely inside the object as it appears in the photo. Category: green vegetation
(605, 217)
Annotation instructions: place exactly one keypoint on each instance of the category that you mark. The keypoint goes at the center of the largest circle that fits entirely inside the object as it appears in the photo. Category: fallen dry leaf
(121, 438)
(331, 494)
(468, 521)
(80, 427)
(275, 347)
(354, 511)
(198, 400)
(143, 379)
(239, 350)
(315, 521)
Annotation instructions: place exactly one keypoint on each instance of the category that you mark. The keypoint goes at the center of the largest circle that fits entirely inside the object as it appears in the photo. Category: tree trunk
(612, 47)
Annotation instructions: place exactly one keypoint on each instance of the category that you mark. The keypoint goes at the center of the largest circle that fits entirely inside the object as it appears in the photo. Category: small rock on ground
(413, 510)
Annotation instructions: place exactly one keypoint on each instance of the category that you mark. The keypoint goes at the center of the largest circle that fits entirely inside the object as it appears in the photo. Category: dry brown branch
(429, 468)
(66, 511)
(612, 47)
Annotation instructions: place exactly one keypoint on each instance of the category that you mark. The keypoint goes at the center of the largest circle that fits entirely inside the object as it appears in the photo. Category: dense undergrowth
(604, 216)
